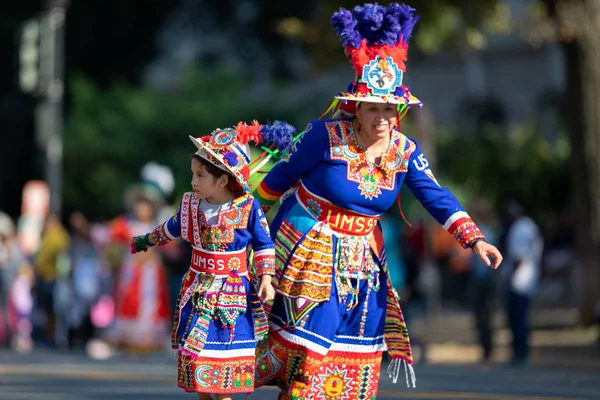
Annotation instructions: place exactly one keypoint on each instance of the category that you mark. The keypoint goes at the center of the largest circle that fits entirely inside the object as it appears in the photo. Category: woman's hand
(266, 291)
(488, 252)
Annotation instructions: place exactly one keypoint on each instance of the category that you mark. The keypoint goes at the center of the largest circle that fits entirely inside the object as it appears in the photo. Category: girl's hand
(266, 291)
(140, 243)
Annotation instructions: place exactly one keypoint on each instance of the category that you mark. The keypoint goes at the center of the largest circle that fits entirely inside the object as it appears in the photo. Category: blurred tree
(111, 134)
(575, 24)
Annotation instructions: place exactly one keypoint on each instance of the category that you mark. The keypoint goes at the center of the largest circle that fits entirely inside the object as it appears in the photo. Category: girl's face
(204, 184)
(376, 119)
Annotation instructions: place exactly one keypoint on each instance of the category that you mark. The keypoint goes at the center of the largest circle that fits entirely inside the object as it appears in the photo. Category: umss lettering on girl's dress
(209, 264)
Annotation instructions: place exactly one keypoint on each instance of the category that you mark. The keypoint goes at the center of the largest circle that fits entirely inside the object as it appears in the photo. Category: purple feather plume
(344, 25)
(370, 21)
(378, 24)
(278, 134)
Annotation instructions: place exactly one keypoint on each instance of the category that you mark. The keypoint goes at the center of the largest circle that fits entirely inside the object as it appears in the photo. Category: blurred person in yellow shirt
(55, 242)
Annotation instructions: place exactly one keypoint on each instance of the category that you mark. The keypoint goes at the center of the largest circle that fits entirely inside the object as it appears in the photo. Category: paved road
(67, 377)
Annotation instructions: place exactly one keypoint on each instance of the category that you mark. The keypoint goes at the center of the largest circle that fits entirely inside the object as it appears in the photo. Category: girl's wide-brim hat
(229, 150)
(220, 150)
(375, 40)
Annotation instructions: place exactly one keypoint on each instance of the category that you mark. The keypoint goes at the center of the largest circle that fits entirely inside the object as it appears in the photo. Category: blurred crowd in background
(82, 289)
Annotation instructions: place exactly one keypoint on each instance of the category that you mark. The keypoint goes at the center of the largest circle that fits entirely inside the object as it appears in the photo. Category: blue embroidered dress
(219, 318)
(335, 310)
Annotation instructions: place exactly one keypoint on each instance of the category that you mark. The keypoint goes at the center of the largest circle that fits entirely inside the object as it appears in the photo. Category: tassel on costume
(232, 302)
(261, 324)
(194, 343)
(396, 338)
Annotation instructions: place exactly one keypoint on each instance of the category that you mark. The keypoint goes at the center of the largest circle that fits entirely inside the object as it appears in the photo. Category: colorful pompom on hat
(229, 150)
(375, 39)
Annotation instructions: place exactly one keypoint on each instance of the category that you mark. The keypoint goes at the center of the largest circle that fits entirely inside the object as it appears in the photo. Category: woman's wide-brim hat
(379, 99)
(229, 150)
(375, 40)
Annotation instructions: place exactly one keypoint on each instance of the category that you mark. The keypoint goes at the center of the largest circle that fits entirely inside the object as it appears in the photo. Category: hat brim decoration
(229, 150)
(375, 39)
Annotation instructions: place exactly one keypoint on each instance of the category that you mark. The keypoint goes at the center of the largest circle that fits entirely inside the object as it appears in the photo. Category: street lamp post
(49, 111)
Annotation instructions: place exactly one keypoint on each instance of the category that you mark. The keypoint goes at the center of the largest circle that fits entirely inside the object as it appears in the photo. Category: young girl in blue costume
(219, 316)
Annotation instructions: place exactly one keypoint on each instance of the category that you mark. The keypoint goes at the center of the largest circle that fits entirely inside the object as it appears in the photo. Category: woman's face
(376, 119)
(204, 184)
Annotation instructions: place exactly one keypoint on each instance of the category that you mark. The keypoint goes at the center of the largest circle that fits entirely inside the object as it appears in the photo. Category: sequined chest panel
(217, 236)
(371, 178)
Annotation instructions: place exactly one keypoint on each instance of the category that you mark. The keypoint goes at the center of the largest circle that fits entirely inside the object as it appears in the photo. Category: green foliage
(111, 134)
(498, 165)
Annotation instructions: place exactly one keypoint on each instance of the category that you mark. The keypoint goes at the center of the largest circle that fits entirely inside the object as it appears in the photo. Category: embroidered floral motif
(236, 375)
(333, 384)
(185, 209)
(223, 138)
(314, 208)
(216, 237)
(462, 227)
(160, 235)
(371, 178)
(264, 262)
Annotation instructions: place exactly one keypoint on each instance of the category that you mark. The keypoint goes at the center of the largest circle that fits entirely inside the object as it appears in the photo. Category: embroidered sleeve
(304, 157)
(168, 230)
(440, 202)
(264, 249)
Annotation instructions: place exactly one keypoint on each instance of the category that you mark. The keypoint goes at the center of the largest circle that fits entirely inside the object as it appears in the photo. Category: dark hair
(217, 172)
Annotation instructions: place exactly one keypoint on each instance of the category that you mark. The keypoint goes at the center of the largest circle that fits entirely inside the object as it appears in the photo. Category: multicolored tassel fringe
(232, 302)
(194, 343)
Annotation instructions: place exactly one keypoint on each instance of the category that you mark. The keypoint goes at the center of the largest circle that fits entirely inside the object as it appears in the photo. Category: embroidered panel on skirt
(219, 371)
(309, 268)
(341, 374)
(214, 355)
(344, 376)
(338, 335)
(354, 262)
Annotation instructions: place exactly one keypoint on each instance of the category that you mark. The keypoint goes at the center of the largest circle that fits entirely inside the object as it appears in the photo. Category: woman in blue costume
(335, 310)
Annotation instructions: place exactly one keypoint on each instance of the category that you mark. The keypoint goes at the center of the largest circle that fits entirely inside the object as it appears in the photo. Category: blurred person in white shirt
(523, 254)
